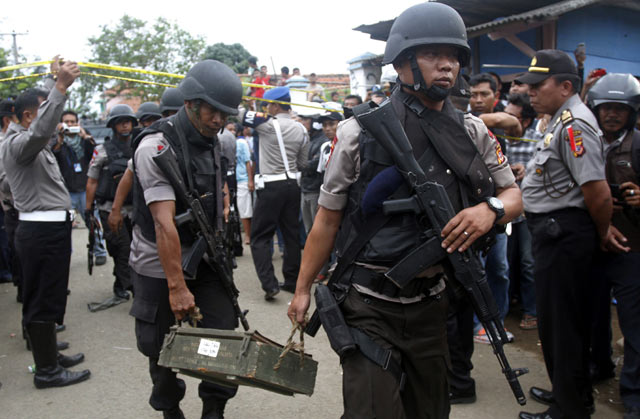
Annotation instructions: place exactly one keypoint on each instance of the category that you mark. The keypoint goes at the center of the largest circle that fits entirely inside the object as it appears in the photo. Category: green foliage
(15, 87)
(160, 46)
(233, 55)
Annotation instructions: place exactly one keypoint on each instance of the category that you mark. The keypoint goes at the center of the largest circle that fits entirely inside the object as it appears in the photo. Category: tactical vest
(623, 165)
(449, 157)
(118, 154)
(202, 171)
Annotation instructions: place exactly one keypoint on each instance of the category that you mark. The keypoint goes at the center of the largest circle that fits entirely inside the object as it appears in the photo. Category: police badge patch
(575, 142)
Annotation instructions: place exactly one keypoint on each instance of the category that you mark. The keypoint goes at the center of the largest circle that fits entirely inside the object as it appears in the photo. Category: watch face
(496, 203)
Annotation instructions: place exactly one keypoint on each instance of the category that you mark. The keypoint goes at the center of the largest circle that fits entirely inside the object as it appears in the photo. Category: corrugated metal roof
(480, 15)
(536, 15)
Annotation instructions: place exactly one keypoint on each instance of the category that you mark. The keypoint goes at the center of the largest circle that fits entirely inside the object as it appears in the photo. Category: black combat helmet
(172, 100)
(427, 23)
(214, 83)
(617, 88)
(148, 110)
(121, 111)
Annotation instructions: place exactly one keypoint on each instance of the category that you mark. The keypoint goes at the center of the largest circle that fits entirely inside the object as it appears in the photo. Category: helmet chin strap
(435, 93)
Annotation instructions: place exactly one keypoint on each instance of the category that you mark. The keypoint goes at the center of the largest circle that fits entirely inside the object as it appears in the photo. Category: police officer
(148, 113)
(171, 101)
(106, 169)
(283, 149)
(43, 236)
(568, 209)
(615, 101)
(211, 92)
(427, 46)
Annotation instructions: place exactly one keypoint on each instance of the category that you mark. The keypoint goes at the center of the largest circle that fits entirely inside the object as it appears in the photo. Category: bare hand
(614, 241)
(252, 185)
(226, 211)
(68, 72)
(631, 194)
(298, 307)
(181, 301)
(55, 64)
(518, 171)
(115, 220)
(465, 228)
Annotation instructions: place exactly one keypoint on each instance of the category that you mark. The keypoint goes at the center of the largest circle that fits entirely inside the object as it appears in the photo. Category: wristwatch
(496, 206)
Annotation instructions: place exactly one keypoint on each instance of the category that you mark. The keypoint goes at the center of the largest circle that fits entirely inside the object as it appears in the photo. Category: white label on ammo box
(209, 347)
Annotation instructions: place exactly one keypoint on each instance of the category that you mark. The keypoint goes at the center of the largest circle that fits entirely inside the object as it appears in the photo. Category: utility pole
(15, 43)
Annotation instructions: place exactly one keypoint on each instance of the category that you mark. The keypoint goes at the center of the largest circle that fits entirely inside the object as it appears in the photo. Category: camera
(70, 130)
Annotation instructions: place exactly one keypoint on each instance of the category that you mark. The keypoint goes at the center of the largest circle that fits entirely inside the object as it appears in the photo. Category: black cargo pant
(621, 271)
(45, 251)
(118, 246)
(278, 205)
(564, 244)
(460, 339)
(154, 318)
(417, 335)
(11, 224)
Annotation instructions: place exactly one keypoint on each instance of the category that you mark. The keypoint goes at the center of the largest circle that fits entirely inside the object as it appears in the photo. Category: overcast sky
(315, 36)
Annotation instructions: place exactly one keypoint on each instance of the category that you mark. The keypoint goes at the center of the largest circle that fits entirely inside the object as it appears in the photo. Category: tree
(233, 55)
(162, 46)
(15, 87)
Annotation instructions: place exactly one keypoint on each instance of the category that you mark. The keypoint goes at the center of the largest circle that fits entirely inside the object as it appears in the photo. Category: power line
(15, 43)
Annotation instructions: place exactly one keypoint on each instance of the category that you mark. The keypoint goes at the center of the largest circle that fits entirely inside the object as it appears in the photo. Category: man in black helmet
(427, 45)
(148, 113)
(106, 169)
(615, 101)
(211, 91)
(171, 101)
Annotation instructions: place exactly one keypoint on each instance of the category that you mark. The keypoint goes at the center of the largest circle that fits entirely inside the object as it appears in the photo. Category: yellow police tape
(171, 85)
(509, 137)
(100, 66)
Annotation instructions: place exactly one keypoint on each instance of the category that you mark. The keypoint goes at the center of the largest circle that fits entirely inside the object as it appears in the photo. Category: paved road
(119, 386)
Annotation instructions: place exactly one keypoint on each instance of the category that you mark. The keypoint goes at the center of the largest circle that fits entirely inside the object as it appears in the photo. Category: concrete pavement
(119, 386)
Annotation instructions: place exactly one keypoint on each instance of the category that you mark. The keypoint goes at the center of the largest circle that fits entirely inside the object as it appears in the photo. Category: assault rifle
(431, 200)
(207, 240)
(94, 230)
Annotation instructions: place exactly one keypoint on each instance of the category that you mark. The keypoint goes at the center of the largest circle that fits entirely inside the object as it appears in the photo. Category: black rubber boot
(70, 361)
(213, 409)
(174, 413)
(48, 372)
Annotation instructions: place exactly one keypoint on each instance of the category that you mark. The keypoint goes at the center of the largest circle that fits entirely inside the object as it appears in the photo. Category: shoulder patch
(499, 153)
(575, 141)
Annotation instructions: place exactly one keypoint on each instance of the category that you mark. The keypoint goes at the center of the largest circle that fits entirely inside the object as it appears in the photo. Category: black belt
(377, 282)
(561, 211)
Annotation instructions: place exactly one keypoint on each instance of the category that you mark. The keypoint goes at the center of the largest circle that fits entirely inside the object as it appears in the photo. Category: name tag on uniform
(77, 167)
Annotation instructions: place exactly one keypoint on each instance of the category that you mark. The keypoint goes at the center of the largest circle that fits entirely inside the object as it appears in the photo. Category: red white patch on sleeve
(575, 142)
(95, 154)
(160, 147)
(500, 154)
(333, 146)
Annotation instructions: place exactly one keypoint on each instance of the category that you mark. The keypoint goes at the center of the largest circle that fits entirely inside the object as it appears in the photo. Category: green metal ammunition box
(237, 358)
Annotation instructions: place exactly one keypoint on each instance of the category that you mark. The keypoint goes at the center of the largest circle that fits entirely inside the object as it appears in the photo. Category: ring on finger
(632, 192)
(465, 233)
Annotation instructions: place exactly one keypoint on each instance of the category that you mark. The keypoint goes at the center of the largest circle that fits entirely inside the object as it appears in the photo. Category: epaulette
(566, 116)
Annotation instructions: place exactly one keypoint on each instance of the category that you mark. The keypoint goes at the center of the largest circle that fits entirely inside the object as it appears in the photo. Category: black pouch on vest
(333, 321)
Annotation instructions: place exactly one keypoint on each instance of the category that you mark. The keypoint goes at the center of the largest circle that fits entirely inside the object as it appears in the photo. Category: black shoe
(632, 413)
(542, 415)
(546, 397)
(70, 361)
(48, 372)
(599, 375)
(60, 328)
(174, 413)
(121, 294)
(462, 397)
(287, 287)
(61, 346)
(213, 409)
(268, 295)
(542, 396)
(101, 260)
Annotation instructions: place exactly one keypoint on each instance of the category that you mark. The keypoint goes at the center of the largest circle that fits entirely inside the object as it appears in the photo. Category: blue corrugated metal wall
(611, 35)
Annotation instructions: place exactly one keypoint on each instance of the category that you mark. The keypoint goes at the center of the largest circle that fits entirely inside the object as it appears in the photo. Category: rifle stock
(433, 201)
(215, 248)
